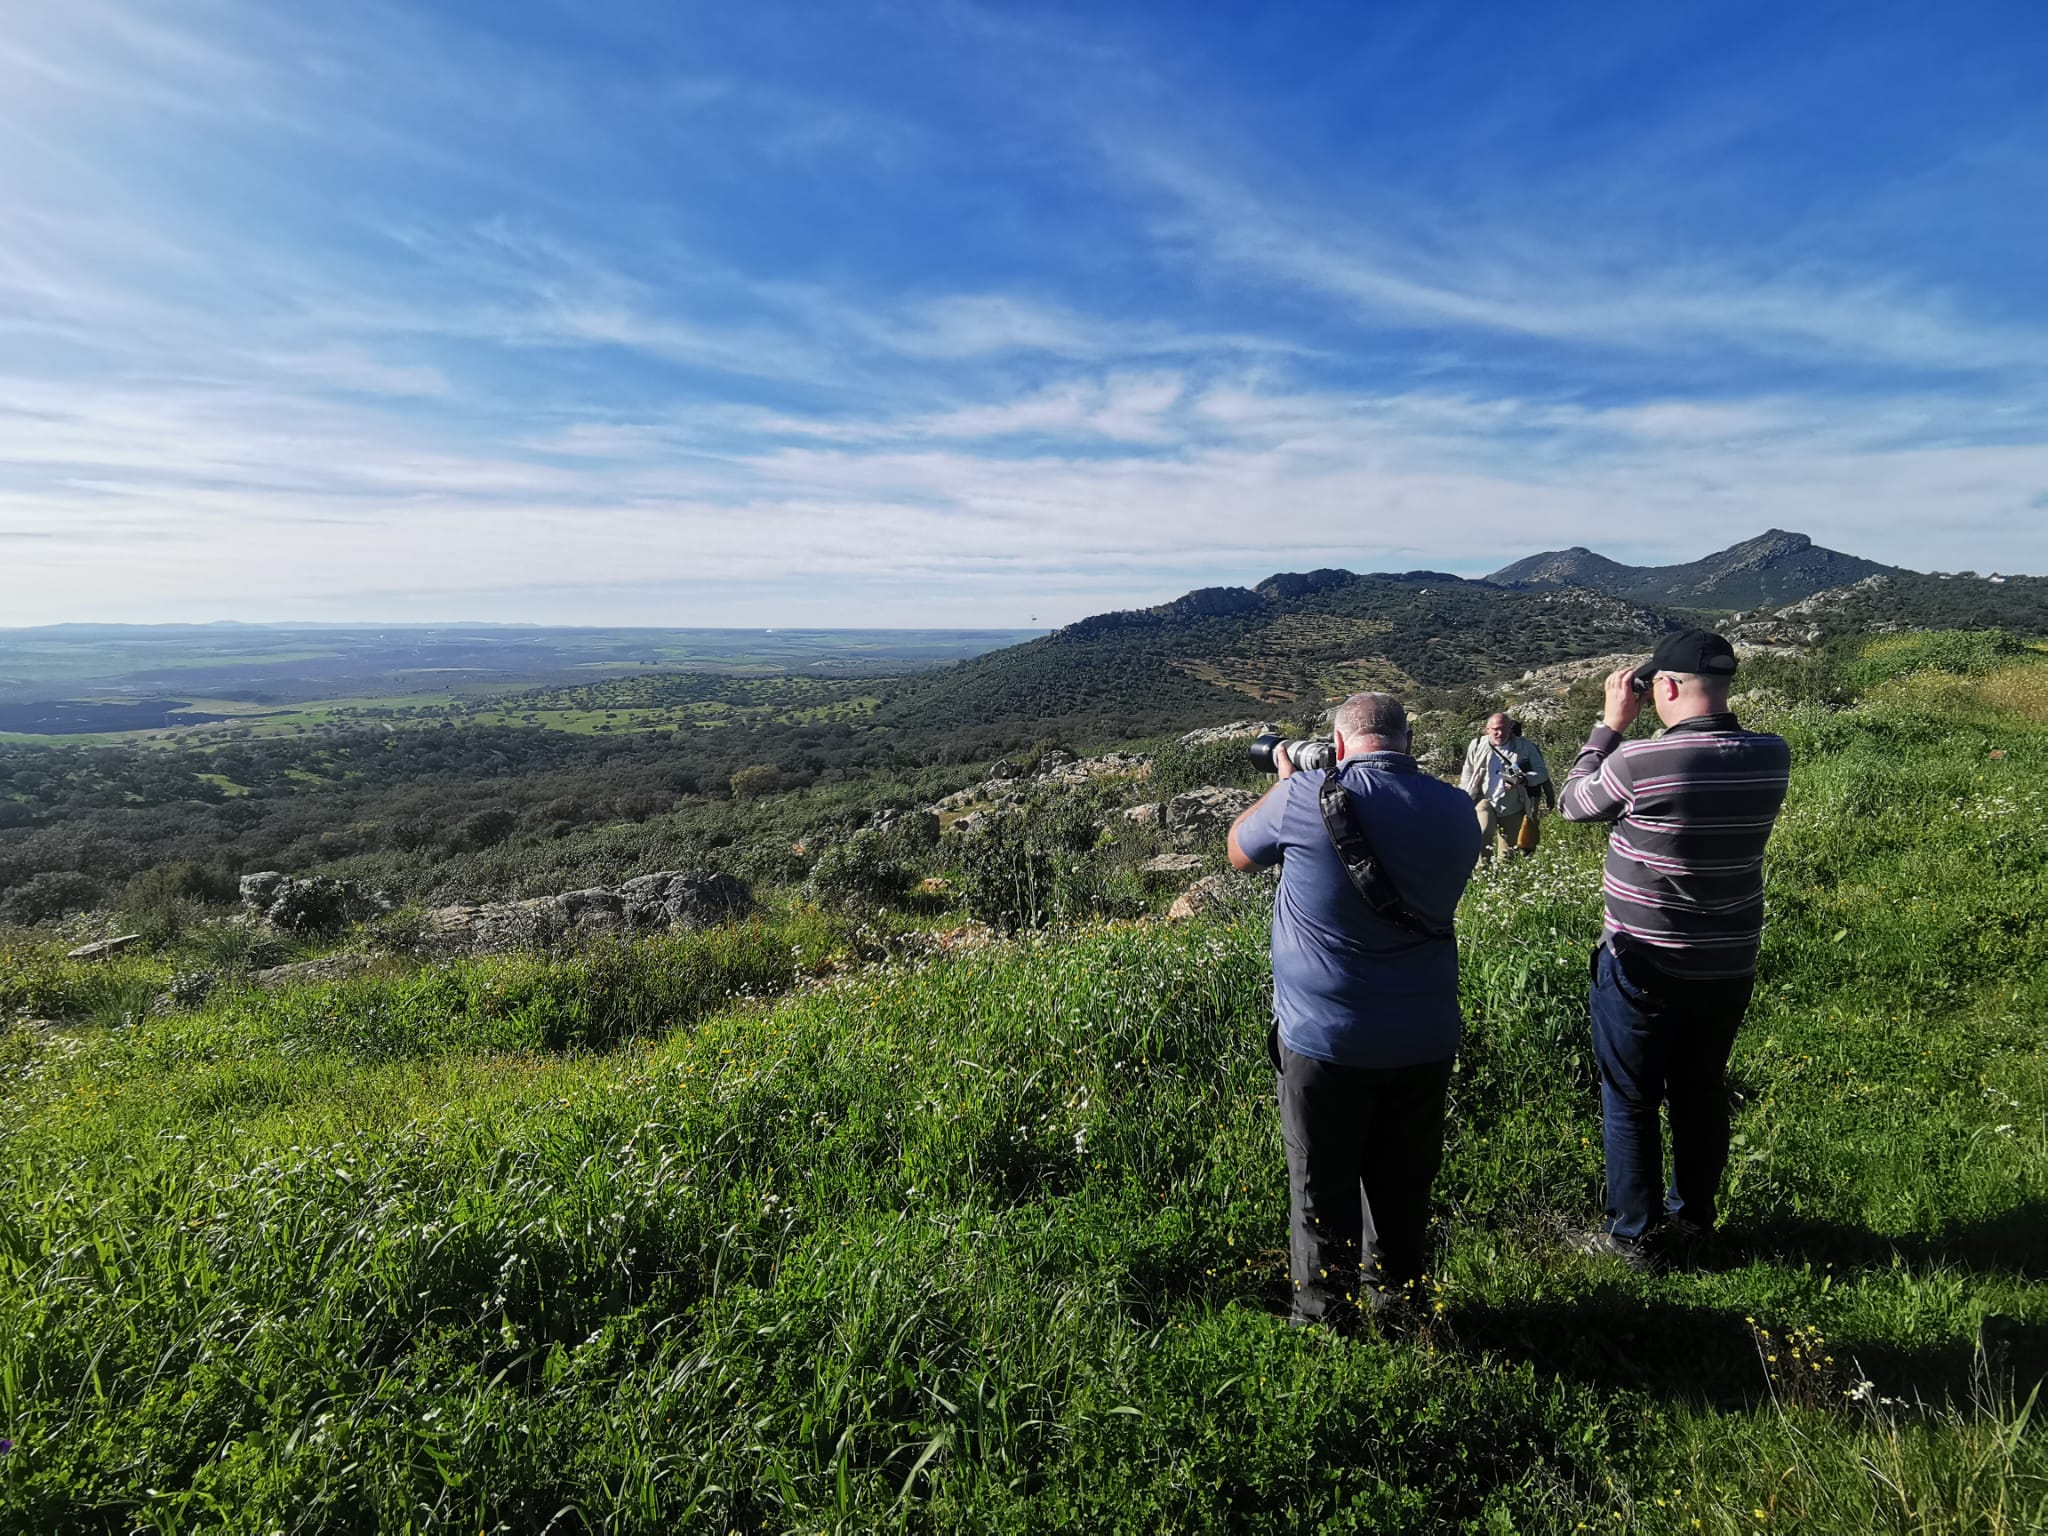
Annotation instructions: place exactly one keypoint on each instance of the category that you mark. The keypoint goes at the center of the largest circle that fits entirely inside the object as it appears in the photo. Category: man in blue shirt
(1365, 1010)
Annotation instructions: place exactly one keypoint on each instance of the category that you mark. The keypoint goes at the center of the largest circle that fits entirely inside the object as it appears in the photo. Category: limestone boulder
(674, 899)
(99, 949)
(1202, 817)
(657, 903)
(1236, 730)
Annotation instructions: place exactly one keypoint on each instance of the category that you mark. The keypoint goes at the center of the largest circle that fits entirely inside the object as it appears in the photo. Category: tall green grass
(996, 1242)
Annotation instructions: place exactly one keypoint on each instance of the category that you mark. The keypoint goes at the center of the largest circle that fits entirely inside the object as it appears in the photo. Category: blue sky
(968, 314)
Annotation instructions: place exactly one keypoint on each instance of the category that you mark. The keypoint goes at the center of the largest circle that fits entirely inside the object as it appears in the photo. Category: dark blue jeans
(1659, 1040)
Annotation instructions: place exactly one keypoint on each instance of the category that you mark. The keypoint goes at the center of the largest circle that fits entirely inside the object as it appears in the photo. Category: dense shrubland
(466, 799)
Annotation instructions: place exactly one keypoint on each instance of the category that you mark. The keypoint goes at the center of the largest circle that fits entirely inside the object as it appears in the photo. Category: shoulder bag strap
(1368, 876)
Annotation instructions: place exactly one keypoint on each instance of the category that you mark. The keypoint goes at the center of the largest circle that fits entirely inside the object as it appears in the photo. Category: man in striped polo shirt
(1692, 809)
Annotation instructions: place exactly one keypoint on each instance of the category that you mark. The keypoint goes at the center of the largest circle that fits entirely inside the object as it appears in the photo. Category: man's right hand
(1623, 702)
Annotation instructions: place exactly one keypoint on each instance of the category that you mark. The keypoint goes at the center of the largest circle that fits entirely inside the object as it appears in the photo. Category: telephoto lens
(1303, 754)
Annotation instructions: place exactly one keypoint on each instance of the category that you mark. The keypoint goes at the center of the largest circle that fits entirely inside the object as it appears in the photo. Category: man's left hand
(1623, 702)
(1283, 765)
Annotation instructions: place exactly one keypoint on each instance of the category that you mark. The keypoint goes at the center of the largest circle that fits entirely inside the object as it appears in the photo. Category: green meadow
(790, 1226)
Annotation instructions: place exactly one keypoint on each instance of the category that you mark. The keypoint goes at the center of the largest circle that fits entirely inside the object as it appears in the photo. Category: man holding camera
(1365, 1000)
(1692, 809)
(1504, 774)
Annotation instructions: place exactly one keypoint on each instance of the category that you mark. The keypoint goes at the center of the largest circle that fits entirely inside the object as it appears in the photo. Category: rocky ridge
(667, 901)
(1774, 568)
(659, 903)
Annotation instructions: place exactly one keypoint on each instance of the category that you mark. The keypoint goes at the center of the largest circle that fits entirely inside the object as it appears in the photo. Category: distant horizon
(1041, 626)
(665, 629)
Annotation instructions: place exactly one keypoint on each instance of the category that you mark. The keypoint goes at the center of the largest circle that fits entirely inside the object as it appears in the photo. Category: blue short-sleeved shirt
(1347, 986)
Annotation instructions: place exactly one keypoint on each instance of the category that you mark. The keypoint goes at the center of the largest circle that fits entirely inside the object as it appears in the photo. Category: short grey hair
(1371, 714)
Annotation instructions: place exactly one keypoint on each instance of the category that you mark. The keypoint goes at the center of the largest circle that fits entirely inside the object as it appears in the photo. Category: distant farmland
(88, 683)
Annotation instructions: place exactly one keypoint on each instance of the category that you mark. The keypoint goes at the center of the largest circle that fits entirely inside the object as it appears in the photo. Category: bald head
(1372, 722)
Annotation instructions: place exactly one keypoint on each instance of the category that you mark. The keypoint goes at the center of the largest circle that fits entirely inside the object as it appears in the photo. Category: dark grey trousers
(1363, 1147)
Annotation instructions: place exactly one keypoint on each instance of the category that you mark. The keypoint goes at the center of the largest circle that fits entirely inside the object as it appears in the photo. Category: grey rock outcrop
(1172, 864)
(99, 949)
(1058, 769)
(648, 904)
(1065, 768)
(673, 899)
(1203, 816)
(1232, 732)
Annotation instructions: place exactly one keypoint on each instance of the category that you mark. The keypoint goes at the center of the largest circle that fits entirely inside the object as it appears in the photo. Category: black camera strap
(1368, 876)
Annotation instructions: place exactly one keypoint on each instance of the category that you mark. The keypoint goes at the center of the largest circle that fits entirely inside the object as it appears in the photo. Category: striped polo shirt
(1692, 810)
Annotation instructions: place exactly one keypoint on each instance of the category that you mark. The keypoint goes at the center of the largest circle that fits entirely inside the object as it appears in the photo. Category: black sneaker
(1685, 1243)
(1599, 1243)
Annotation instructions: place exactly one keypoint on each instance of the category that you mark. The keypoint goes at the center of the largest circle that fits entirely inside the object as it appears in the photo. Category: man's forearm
(1592, 792)
(1239, 859)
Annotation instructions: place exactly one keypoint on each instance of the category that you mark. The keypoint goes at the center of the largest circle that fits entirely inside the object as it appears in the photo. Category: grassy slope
(995, 1244)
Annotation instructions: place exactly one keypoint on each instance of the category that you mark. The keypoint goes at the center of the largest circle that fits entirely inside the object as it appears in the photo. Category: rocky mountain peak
(1777, 566)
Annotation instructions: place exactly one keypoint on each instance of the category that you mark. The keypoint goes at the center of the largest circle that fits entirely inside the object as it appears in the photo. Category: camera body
(1303, 754)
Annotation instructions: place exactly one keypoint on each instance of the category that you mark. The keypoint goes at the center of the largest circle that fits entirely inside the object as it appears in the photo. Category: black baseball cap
(1690, 650)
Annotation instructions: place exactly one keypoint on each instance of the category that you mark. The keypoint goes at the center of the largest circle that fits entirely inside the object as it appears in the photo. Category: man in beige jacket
(1504, 774)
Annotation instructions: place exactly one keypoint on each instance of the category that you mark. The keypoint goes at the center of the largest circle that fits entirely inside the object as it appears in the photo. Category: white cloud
(1590, 295)
(349, 368)
(329, 499)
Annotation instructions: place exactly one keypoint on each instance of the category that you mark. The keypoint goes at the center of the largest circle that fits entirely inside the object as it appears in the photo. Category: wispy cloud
(1586, 294)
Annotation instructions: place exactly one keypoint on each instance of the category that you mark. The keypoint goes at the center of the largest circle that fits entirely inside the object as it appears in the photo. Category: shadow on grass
(1709, 1357)
(2014, 1242)
(1620, 1342)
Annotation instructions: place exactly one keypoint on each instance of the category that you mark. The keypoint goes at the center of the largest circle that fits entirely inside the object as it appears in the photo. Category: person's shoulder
(1301, 787)
(1427, 787)
(1769, 743)
(1767, 740)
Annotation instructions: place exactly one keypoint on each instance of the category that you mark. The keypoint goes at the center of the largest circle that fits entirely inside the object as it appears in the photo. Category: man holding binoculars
(1684, 887)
